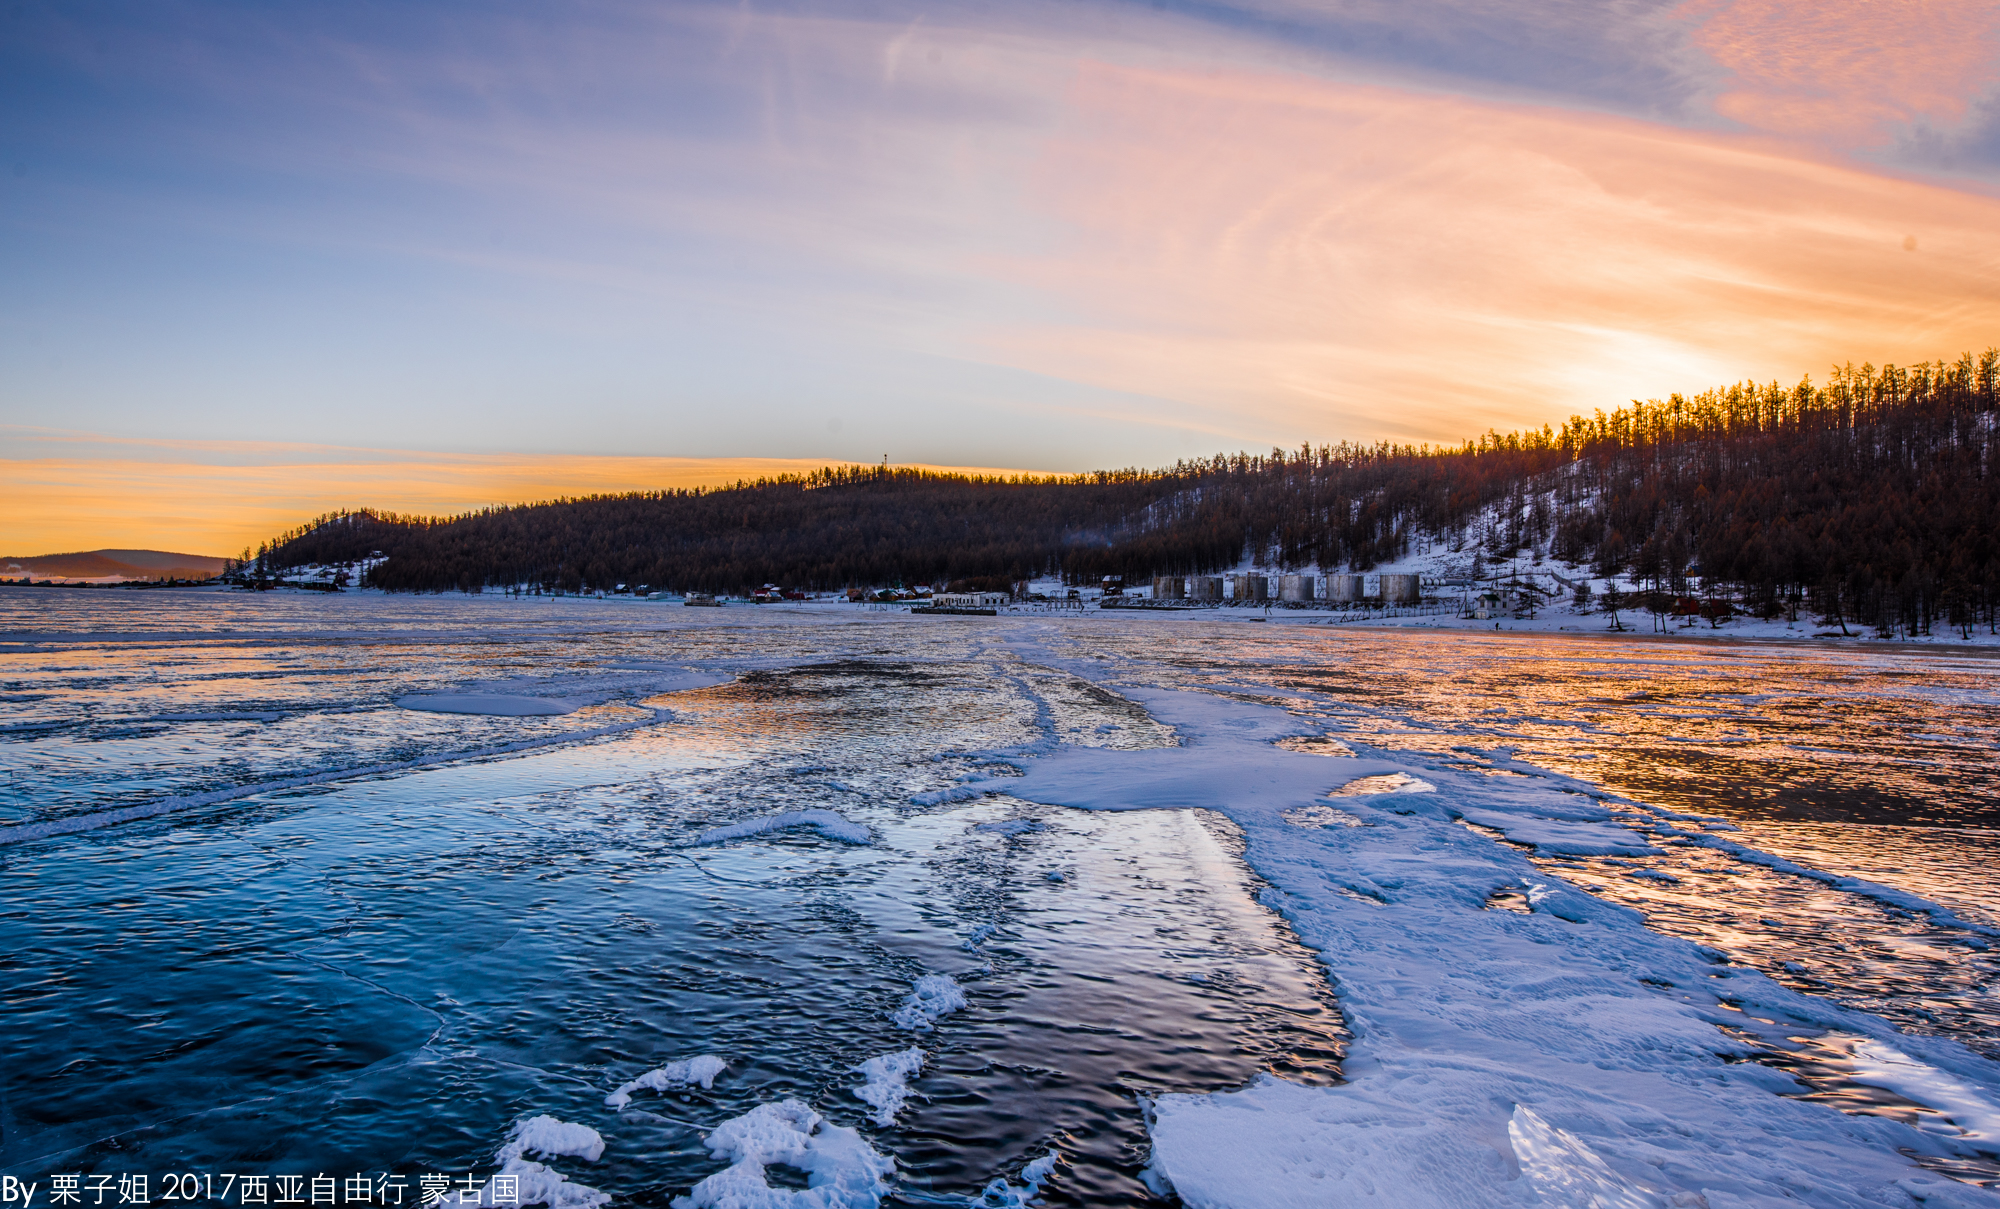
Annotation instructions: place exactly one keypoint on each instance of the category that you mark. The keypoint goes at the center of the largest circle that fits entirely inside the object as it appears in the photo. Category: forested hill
(1873, 491)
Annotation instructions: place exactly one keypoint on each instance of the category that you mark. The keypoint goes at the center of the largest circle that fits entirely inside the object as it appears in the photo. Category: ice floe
(931, 996)
(702, 1070)
(1000, 1194)
(536, 1183)
(888, 1082)
(829, 823)
(842, 1170)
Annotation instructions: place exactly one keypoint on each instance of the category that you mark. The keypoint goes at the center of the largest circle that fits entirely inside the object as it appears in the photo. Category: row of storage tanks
(1348, 589)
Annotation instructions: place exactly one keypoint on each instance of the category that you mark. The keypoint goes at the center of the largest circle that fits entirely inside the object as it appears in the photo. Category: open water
(513, 915)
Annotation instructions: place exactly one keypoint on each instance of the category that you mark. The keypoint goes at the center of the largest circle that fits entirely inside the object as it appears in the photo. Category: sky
(262, 261)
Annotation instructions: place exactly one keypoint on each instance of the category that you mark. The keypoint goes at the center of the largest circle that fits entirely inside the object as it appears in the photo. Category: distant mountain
(102, 564)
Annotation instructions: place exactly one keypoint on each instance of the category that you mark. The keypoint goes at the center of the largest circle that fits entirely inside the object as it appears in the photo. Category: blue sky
(1037, 236)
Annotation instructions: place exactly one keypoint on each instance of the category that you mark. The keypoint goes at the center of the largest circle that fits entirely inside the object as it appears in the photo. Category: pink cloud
(1323, 259)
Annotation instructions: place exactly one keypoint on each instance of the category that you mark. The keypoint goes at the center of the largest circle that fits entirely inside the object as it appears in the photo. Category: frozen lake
(356, 884)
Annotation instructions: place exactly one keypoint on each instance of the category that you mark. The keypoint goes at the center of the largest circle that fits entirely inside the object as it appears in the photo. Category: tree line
(1869, 498)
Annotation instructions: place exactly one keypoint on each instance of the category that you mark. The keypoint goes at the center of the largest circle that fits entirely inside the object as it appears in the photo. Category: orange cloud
(216, 498)
(1848, 73)
(1335, 259)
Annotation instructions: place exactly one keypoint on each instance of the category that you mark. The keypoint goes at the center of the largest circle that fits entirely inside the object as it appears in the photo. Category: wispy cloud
(1384, 261)
(1850, 75)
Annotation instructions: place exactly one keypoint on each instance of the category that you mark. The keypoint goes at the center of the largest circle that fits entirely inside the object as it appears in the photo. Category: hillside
(1869, 497)
(113, 564)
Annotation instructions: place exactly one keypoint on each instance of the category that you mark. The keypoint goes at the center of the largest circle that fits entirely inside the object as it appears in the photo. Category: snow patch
(842, 1170)
(702, 1070)
(831, 824)
(888, 1084)
(931, 996)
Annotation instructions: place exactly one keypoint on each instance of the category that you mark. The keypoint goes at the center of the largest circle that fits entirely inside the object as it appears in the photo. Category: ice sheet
(1603, 1031)
(494, 704)
(193, 801)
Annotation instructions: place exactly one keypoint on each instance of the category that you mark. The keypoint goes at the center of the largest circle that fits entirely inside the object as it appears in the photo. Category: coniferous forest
(1871, 498)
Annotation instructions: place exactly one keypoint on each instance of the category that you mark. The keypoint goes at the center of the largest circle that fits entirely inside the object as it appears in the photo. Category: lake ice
(818, 908)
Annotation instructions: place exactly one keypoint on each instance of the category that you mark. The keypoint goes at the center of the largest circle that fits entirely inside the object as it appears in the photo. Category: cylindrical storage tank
(1295, 587)
(1343, 588)
(1402, 589)
(1205, 587)
(1169, 587)
(1253, 587)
